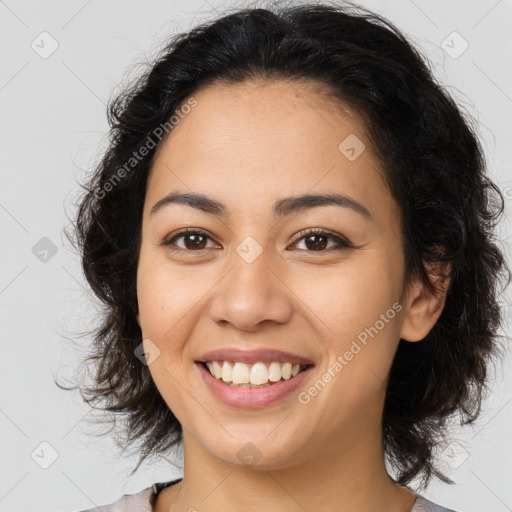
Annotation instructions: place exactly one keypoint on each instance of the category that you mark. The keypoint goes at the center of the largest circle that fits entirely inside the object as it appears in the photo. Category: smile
(260, 374)
(253, 396)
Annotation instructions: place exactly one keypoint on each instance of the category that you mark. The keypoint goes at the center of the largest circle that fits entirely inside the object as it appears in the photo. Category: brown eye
(317, 240)
(193, 240)
(196, 241)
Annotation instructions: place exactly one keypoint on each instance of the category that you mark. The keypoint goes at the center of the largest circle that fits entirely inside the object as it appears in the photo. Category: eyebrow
(281, 208)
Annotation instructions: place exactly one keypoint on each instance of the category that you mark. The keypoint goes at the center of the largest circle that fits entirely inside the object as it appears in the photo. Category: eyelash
(341, 243)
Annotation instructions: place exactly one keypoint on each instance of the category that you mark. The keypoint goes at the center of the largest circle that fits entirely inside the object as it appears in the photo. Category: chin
(257, 451)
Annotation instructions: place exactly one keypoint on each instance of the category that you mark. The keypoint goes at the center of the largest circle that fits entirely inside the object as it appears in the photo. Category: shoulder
(423, 505)
(138, 502)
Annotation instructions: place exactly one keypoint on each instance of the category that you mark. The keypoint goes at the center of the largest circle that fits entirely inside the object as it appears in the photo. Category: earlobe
(424, 307)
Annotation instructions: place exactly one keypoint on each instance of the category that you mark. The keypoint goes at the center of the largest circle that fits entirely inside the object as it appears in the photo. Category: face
(248, 281)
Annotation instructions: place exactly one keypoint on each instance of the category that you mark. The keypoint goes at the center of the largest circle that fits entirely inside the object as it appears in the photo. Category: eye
(315, 239)
(196, 237)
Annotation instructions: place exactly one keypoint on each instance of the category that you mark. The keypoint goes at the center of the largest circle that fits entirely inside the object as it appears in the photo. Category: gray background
(53, 127)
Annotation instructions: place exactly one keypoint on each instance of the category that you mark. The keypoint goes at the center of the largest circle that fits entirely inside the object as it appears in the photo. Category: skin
(248, 145)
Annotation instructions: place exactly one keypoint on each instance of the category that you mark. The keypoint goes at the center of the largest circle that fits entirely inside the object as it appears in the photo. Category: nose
(252, 293)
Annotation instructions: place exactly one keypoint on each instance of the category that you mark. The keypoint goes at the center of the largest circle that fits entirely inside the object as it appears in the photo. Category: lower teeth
(248, 385)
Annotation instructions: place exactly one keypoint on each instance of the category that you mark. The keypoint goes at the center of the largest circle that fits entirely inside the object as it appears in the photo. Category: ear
(423, 307)
(138, 318)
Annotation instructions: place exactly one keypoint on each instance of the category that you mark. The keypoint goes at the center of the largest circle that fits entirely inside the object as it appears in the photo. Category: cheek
(354, 378)
(356, 312)
(345, 300)
(367, 324)
(164, 296)
(170, 303)
(165, 316)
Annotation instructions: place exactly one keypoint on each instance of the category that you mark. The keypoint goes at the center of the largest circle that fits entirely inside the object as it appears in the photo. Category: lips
(247, 395)
(252, 398)
(254, 356)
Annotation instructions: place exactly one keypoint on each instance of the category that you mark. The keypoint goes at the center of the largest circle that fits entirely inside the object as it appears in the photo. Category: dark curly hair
(434, 167)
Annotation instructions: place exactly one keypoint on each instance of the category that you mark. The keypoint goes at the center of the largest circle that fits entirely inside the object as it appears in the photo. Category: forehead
(256, 141)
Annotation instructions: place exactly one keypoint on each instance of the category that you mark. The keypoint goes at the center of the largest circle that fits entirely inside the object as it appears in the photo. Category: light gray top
(143, 501)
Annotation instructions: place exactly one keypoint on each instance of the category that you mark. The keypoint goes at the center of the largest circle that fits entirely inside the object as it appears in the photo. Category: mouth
(257, 375)
(253, 379)
(253, 385)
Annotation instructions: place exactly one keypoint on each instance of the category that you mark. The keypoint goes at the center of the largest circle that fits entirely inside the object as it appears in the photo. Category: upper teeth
(258, 373)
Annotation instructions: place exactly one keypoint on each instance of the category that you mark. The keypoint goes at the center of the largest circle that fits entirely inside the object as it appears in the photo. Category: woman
(292, 233)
